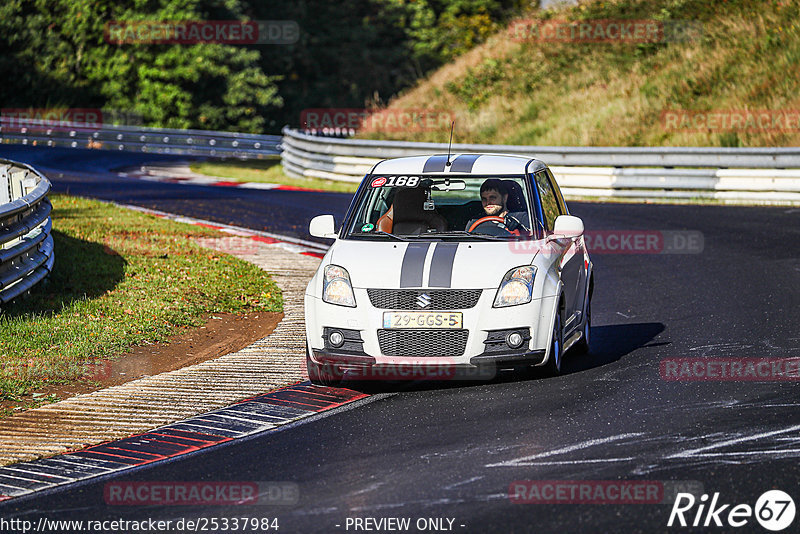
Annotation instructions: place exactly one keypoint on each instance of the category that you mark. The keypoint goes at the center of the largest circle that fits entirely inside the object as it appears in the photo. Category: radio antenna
(452, 125)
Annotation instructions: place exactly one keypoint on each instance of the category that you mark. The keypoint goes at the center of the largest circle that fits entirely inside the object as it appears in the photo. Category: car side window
(562, 206)
(548, 199)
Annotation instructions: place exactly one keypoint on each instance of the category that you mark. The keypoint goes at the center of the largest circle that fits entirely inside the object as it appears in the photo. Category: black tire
(582, 346)
(322, 375)
(553, 365)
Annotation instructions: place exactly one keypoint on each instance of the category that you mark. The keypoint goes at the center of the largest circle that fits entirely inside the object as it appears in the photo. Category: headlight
(516, 287)
(336, 288)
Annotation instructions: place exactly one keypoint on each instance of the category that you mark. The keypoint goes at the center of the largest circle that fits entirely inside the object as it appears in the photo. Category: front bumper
(533, 357)
(481, 323)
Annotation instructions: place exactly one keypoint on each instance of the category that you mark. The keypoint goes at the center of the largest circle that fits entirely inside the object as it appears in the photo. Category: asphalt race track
(455, 450)
(84, 172)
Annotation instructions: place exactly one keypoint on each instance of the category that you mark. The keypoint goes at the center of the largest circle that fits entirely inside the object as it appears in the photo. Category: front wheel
(553, 365)
(322, 375)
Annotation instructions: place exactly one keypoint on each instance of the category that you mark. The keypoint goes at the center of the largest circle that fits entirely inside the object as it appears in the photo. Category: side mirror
(322, 226)
(567, 227)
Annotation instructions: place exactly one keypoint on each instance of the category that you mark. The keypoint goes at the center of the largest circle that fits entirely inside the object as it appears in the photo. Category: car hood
(395, 264)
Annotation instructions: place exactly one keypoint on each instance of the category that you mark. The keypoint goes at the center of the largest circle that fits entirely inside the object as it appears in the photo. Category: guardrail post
(28, 183)
(16, 184)
(17, 191)
(5, 184)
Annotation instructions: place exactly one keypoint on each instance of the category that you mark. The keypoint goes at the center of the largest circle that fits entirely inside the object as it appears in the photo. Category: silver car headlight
(516, 287)
(336, 287)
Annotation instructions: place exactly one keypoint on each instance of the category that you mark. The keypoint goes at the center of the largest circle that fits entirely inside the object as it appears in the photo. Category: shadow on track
(609, 344)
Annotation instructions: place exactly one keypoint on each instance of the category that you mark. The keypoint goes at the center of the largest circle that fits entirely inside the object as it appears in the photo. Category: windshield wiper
(470, 234)
(381, 232)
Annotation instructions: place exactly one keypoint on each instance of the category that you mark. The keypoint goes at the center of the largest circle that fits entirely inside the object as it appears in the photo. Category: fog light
(336, 338)
(514, 340)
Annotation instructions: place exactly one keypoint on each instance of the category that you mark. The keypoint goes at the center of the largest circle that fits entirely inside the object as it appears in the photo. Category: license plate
(423, 319)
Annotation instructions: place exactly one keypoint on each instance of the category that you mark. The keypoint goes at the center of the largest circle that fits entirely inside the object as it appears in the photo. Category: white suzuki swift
(464, 262)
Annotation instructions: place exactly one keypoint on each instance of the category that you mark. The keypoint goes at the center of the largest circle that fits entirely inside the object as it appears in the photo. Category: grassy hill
(738, 56)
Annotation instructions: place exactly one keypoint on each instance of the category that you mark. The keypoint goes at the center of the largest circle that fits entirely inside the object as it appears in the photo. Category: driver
(494, 198)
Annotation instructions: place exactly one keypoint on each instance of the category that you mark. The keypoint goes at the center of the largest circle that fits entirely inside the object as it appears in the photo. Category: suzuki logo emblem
(424, 300)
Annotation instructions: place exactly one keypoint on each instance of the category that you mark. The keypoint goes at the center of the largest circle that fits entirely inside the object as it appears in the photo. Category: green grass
(121, 278)
(744, 56)
(266, 171)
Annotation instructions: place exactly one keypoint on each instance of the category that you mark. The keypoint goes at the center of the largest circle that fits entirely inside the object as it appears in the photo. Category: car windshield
(459, 207)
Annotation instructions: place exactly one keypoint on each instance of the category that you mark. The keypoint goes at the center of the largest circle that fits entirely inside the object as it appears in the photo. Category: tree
(56, 55)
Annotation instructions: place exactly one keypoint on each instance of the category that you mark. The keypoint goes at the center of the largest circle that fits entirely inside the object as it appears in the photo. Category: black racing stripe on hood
(464, 163)
(442, 264)
(413, 264)
(435, 164)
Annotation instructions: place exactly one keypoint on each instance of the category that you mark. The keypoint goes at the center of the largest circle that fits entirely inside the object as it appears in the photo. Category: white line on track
(517, 462)
(694, 452)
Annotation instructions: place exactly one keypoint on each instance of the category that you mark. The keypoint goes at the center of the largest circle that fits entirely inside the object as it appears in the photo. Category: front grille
(441, 299)
(423, 342)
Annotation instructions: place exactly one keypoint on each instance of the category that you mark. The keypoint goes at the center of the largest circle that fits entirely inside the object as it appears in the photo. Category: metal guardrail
(138, 139)
(761, 158)
(26, 243)
(752, 175)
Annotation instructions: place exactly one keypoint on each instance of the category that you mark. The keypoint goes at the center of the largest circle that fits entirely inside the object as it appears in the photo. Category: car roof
(478, 164)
